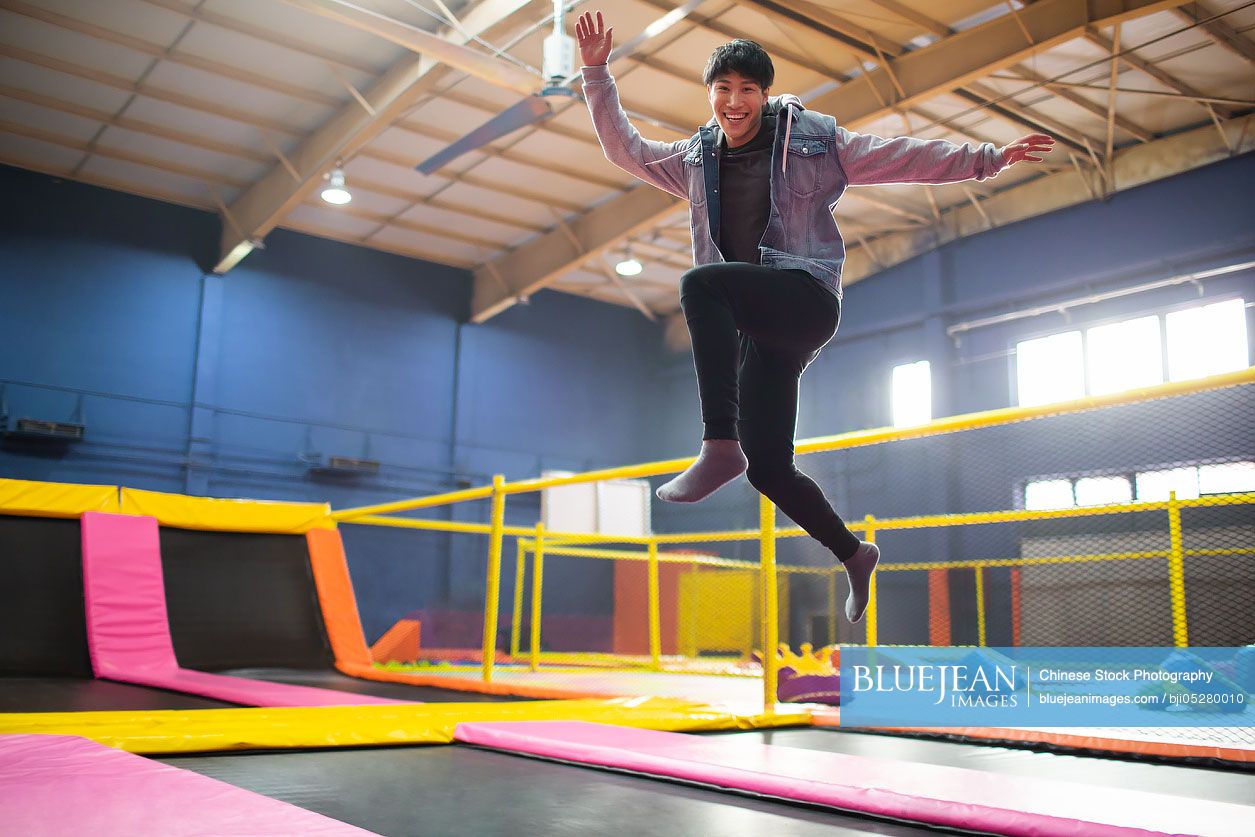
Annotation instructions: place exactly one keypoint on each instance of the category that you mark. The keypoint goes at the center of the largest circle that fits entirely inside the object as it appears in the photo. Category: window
(912, 394)
(1050, 369)
(1228, 478)
(1043, 495)
(1100, 491)
(1189, 482)
(1124, 355)
(1154, 486)
(1207, 340)
(1204, 340)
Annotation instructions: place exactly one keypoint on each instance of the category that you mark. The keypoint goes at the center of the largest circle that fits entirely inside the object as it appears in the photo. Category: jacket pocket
(809, 159)
(696, 177)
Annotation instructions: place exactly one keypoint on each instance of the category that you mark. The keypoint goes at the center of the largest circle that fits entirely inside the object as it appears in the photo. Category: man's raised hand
(1030, 148)
(594, 39)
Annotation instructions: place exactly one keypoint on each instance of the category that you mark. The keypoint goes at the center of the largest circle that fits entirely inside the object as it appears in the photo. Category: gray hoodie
(813, 160)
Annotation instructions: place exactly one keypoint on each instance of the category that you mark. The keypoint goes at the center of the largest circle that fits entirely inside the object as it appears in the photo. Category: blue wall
(221, 386)
(225, 386)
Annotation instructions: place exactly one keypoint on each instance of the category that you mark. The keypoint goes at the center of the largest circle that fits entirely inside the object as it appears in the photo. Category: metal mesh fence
(1128, 524)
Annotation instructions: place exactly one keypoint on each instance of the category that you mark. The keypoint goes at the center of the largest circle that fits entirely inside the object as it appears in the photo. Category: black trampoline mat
(237, 600)
(328, 679)
(43, 630)
(1193, 782)
(246, 605)
(453, 790)
(78, 694)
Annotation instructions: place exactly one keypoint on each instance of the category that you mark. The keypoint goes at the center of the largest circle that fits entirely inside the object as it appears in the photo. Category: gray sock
(720, 462)
(858, 572)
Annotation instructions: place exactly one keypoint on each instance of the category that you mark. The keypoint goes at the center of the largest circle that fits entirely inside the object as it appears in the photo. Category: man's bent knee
(697, 278)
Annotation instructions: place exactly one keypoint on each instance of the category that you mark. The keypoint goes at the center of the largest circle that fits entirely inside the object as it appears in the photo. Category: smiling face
(737, 103)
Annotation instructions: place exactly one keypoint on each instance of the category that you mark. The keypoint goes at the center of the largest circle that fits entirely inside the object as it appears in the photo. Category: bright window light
(1228, 478)
(1207, 340)
(1043, 495)
(1153, 486)
(1050, 369)
(912, 394)
(1124, 355)
(1100, 491)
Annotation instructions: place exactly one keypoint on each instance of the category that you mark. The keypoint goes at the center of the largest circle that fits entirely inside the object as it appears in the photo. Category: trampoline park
(211, 652)
(347, 368)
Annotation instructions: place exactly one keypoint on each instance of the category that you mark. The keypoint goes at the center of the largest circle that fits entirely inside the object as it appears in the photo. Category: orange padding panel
(1167, 749)
(335, 593)
(399, 643)
(468, 684)
(938, 607)
(348, 644)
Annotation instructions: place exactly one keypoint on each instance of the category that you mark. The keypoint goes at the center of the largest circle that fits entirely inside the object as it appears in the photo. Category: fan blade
(531, 110)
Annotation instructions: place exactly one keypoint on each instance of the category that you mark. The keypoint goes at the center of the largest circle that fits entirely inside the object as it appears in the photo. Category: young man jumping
(761, 178)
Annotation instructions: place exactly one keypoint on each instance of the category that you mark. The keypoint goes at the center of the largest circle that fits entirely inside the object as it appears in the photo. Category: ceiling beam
(204, 176)
(193, 140)
(167, 53)
(268, 200)
(537, 263)
(941, 68)
(1219, 31)
(968, 56)
(262, 124)
(452, 53)
(207, 204)
(1158, 74)
(861, 42)
(409, 162)
(1127, 125)
(1132, 166)
(881, 51)
(918, 18)
(264, 35)
(1138, 91)
(318, 97)
(709, 24)
(1021, 70)
(1021, 115)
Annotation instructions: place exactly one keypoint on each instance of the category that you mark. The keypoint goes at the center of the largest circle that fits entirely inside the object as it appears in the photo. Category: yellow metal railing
(1175, 556)
(500, 488)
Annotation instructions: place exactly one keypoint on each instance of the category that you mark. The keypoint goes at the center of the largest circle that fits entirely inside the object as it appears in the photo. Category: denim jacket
(813, 160)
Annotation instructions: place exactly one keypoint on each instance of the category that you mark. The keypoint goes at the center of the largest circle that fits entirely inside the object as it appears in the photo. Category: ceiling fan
(559, 73)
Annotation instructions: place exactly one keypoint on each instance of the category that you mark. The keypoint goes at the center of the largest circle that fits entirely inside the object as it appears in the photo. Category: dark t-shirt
(745, 188)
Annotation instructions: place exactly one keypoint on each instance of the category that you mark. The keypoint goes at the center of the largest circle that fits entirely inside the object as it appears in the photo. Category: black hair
(740, 56)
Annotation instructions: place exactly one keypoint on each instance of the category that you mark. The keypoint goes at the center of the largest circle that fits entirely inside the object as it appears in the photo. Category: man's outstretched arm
(657, 163)
(868, 160)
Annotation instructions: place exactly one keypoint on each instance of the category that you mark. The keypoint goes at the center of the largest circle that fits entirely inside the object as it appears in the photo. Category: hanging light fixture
(629, 266)
(335, 191)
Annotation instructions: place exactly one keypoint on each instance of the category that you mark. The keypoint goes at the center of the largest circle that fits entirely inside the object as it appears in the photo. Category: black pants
(754, 331)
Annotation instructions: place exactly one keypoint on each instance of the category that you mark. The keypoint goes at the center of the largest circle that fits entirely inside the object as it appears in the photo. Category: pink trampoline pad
(52, 785)
(127, 630)
(924, 793)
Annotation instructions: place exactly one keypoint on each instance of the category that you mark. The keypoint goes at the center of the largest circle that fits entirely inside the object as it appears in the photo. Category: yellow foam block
(208, 730)
(224, 515)
(55, 499)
